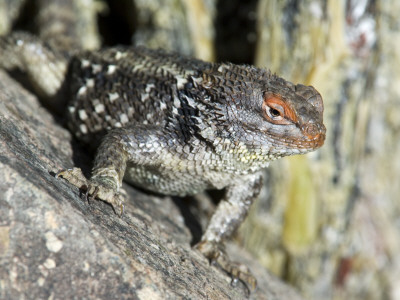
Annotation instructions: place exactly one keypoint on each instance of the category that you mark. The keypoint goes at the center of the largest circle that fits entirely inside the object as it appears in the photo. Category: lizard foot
(215, 252)
(95, 188)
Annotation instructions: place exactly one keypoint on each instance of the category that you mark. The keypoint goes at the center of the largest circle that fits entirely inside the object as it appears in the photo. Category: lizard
(173, 124)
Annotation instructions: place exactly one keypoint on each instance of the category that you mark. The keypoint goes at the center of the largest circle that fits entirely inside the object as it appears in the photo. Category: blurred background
(328, 222)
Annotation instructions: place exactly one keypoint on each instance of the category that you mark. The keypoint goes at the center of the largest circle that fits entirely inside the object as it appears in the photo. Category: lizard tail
(46, 67)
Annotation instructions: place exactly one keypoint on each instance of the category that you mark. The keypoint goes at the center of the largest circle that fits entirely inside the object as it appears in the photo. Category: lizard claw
(74, 176)
(94, 189)
(238, 272)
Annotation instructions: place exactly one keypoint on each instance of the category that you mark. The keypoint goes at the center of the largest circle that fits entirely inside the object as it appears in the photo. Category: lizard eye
(276, 111)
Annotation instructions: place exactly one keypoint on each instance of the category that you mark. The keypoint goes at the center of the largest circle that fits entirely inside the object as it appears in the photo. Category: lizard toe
(95, 189)
(217, 255)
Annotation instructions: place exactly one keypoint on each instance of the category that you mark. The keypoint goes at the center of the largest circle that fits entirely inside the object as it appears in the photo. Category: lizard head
(295, 116)
(274, 116)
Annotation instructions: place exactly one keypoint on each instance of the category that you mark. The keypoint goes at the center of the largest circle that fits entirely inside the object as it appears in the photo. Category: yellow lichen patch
(300, 225)
(4, 239)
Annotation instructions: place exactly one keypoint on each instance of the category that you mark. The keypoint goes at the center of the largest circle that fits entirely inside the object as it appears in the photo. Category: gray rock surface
(55, 245)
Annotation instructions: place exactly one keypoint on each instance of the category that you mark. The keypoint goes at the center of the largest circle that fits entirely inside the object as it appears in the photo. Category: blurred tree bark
(328, 222)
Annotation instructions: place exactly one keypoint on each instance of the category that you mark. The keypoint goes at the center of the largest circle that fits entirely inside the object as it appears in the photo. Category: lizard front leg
(229, 214)
(134, 144)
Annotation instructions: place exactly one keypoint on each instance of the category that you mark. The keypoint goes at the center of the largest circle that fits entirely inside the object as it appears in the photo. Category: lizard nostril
(313, 131)
(315, 134)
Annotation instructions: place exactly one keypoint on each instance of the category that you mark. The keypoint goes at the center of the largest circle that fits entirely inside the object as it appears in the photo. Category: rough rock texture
(53, 244)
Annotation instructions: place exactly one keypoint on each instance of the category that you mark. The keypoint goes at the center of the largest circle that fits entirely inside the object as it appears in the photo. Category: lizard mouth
(309, 137)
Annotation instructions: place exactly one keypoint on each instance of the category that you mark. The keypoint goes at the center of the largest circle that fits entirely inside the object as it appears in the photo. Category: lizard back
(113, 87)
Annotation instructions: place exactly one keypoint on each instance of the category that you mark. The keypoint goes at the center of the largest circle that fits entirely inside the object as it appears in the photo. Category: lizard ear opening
(276, 111)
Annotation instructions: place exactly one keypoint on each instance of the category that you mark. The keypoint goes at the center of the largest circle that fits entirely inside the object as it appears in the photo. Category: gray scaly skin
(174, 125)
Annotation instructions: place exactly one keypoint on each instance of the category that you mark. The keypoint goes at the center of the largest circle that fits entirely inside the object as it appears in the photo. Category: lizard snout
(314, 132)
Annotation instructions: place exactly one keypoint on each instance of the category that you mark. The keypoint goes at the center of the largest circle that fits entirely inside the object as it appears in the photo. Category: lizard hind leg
(95, 189)
(117, 148)
(107, 173)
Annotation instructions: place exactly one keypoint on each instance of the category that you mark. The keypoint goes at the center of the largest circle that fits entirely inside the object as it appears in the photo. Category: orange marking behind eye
(275, 102)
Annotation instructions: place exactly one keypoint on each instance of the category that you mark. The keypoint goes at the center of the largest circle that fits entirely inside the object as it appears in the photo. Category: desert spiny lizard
(173, 124)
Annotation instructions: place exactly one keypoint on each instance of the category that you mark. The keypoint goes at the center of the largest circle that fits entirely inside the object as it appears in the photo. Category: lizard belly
(175, 183)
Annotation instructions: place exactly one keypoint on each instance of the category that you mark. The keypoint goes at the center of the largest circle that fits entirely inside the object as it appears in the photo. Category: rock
(54, 244)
